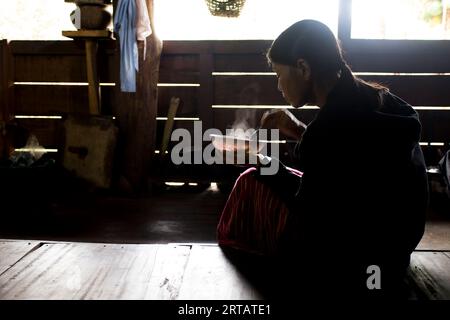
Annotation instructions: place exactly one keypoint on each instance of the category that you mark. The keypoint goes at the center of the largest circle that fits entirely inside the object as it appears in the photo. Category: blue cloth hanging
(125, 26)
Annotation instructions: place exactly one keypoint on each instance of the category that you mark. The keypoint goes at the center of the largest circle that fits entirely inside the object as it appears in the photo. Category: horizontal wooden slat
(246, 90)
(397, 55)
(179, 62)
(228, 118)
(47, 100)
(418, 90)
(188, 100)
(396, 47)
(181, 68)
(410, 63)
(47, 131)
(168, 76)
(219, 47)
(435, 125)
(375, 52)
(57, 47)
(259, 46)
(241, 63)
(60, 68)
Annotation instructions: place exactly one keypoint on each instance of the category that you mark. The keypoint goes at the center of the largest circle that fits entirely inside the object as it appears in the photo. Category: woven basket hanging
(225, 8)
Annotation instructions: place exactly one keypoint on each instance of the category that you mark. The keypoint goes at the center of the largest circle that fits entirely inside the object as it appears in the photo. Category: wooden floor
(177, 216)
(64, 270)
(35, 270)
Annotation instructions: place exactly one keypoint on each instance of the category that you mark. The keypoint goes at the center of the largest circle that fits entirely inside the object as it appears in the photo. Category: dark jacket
(364, 190)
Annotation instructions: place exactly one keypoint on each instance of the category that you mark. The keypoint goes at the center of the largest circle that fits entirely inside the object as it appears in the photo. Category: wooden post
(3, 80)
(345, 21)
(6, 82)
(91, 38)
(206, 88)
(6, 93)
(91, 69)
(136, 115)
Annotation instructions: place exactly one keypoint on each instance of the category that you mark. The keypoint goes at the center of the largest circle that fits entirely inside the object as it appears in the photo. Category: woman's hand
(285, 121)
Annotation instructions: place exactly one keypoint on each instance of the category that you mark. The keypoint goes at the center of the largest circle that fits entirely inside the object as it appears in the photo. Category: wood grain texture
(12, 251)
(227, 118)
(3, 81)
(189, 100)
(55, 99)
(254, 89)
(435, 126)
(92, 77)
(47, 131)
(88, 34)
(6, 82)
(96, 271)
(168, 272)
(179, 62)
(60, 68)
(210, 276)
(413, 62)
(417, 90)
(247, 90)
(136, 114)
(431, 273)
(179, 68)
(251, 62)
(206, 98)
(55, 47)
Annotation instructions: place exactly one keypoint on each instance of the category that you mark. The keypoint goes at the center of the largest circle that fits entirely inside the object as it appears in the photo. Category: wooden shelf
(86, 34)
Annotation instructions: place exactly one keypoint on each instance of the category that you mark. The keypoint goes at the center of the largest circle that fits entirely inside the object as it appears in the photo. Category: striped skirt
(257, 211)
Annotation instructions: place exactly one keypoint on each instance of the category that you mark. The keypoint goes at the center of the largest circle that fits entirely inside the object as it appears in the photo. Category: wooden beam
(56, 47)
(136, 114)
(91, 71)
(345, 20)
(3, 81)
(206, 98)
(6, 82)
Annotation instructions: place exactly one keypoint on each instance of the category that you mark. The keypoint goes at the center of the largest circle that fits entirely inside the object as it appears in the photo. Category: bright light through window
(35, 19)
(259, 19)
(401, 19)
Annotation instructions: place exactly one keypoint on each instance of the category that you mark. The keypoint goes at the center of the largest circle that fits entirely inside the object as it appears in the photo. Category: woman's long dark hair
(314, 42)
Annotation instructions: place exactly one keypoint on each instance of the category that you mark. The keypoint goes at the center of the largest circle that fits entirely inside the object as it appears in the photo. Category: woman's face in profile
(293, 84)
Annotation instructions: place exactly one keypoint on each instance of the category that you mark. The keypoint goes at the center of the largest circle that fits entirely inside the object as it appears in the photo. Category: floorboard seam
(37, 246)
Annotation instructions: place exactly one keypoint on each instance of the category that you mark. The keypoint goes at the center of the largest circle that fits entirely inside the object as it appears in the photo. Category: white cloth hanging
(143, 27)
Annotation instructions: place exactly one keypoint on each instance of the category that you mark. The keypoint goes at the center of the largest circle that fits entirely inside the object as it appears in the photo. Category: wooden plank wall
(243, 86)
(218, 82)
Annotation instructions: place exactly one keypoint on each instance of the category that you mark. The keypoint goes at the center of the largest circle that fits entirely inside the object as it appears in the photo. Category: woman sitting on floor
(358, 198)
